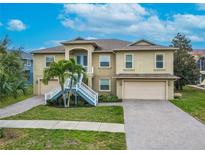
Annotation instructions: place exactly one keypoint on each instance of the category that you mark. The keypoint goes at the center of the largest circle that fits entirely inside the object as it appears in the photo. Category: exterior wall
(30, 70)
(104, 73)
(86, 47)
(169, 87)
(38, 67)
(144, 62)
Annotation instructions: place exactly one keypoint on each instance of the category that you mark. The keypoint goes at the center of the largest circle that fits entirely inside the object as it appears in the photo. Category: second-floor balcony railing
(91, 71)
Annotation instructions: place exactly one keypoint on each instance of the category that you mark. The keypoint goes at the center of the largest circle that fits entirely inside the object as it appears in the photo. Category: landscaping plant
(12, 81)
(62, 70)
(184, 64)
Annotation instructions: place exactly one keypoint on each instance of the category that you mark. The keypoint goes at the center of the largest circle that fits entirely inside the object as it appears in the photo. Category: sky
(38, 26)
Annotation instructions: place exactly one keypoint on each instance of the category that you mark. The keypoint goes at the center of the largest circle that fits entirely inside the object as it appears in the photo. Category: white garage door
(46, 88)
(144, 90)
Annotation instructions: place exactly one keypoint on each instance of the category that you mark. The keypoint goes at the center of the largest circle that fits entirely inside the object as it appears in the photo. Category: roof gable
(142, 43)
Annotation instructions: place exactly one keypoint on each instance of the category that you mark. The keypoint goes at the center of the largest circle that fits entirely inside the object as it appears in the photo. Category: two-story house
(199, 56)
(139, 70)
(28, 66)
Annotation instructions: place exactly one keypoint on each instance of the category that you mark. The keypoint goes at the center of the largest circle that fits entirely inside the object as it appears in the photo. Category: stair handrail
(54, 91)
(89, 91)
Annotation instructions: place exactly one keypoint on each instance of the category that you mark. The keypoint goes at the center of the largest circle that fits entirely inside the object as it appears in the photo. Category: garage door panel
(46, 88)
(144, 90)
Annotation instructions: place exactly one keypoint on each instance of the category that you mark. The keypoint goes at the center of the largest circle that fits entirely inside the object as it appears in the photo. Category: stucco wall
(144, 62)
(171, 89)
(104, 73)
(39, 61)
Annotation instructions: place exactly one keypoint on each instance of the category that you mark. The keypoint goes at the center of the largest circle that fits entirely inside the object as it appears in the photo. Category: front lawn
(11, 100)
(193, 102)
(111, 114)
(36, 139)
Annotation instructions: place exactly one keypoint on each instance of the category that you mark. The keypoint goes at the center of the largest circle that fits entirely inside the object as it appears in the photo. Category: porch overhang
(146, 76)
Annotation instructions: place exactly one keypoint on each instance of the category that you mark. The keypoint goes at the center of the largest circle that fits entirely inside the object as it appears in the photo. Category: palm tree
(74, 69)
(59, 70)
(63, 69)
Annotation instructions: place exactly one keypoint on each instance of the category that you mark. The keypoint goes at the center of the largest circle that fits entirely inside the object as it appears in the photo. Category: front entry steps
(79, 88)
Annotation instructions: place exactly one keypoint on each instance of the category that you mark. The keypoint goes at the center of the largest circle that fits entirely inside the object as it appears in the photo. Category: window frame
(109, 81)
(126, 61)
(163, 54)
(46, 61)
(109, 61)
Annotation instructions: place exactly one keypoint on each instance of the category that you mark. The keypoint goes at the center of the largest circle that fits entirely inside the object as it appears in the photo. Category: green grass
(110, 114)
(193, 102)
(34, 139)
(11, 100)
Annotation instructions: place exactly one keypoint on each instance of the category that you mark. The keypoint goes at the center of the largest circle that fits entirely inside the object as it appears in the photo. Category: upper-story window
(129, 61)
(104, 61)
(159, 61)
(49, 60)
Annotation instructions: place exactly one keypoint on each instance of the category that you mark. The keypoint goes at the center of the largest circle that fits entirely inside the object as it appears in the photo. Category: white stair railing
(88, 92)
(54, 92)
(79, 86)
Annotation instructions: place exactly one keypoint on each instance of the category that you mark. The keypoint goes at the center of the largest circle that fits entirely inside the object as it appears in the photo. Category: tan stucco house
(139, 70)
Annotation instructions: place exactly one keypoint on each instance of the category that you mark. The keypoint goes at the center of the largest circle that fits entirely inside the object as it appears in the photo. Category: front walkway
(21, 106)
(57, 124)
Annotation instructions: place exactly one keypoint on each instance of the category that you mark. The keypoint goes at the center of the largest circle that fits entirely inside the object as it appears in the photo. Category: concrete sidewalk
(110, 104)
(57, 124)
(21, 106)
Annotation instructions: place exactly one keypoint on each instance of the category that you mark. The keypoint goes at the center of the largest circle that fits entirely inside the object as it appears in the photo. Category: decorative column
(67, 50)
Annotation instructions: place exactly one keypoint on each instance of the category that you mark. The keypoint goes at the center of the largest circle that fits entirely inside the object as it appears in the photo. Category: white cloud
(201, 6)
(196, 38)
(54, 42)
(90, 38)
(16, 25)
(131, 19)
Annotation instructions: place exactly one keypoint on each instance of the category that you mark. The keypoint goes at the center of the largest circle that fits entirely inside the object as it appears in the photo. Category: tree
(11, 71)
(64, 69)
(60, 70)
(184, 64)
(75, 71)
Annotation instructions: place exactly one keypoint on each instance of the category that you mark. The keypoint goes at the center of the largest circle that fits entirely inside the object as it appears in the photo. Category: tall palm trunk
(64, 95)
(70, 92)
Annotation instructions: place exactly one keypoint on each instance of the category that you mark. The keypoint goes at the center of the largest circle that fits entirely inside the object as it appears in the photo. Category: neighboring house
(139, 70)
(199, 56)
(28, 66)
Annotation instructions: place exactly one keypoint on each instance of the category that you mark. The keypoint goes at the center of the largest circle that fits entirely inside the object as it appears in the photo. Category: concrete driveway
(161, 125)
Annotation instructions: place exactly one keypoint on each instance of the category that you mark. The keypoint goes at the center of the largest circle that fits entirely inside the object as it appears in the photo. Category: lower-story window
(104, 85)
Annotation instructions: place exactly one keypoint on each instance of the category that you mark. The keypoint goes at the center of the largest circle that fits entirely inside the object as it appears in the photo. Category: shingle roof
(26, 55)
(108, 45)
(146, 76)
(57, 49)
(198, 52)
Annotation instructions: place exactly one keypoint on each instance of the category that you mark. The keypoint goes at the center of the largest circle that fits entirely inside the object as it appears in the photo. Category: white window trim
(109, 61)
(109, 85)
(155, 62)
(132, 61)
(48, 56)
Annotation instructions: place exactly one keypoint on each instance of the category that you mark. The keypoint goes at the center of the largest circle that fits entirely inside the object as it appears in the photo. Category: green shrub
(108, 98)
